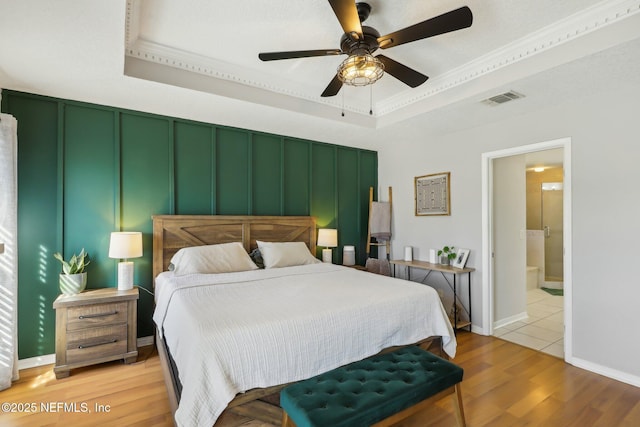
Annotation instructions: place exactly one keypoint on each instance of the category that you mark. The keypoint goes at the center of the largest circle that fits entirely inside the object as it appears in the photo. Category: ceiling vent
(503, 97)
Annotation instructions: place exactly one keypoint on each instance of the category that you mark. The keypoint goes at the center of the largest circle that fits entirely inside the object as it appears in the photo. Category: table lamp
(125, 245)
(327, 237)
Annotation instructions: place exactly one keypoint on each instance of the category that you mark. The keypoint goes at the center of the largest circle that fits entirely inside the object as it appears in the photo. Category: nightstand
(95, 326)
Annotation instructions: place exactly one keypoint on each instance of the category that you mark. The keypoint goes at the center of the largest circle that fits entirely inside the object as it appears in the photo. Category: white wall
(606, 206)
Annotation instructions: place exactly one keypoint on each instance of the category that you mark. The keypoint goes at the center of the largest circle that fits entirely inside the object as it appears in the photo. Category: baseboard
(34, 362)
(511, 319)
(554, 285)
(605, 371)
(50, 359)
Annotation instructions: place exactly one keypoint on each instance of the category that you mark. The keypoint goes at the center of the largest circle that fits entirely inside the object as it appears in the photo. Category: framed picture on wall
(433, 194)
(461, 258)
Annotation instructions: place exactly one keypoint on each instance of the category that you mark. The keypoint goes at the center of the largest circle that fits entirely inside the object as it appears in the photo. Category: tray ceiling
(213, 47)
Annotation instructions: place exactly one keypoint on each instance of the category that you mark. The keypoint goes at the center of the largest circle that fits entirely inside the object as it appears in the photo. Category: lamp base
(327, 255)
(125, 276)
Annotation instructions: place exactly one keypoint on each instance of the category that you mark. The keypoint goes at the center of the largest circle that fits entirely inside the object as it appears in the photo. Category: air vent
(503, 97)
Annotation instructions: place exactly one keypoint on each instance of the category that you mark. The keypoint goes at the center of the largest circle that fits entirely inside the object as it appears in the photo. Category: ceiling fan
(360, 42)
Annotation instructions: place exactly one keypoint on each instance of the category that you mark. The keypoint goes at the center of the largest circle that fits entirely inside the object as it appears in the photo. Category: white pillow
(222, 258)
(285, 254)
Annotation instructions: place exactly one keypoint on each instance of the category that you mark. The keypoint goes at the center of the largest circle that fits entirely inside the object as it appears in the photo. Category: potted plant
(73, 278)
(446, 254)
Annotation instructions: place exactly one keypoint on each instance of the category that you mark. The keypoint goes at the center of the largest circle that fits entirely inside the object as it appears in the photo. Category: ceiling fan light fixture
(360, 70)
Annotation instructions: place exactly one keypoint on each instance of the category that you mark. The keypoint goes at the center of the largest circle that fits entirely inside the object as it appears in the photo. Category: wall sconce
(327, 237)
(125, 245)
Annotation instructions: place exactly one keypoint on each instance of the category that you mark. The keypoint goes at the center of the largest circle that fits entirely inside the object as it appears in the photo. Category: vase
(444, 260)
(71, 284)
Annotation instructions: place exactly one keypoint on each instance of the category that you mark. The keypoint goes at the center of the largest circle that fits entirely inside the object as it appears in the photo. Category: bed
(229, 340)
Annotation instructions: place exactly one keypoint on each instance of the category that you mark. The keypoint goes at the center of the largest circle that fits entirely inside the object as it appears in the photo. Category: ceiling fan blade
(333, 88)
(274, 56)
(451, 21)
(401, 72)
(347, 14)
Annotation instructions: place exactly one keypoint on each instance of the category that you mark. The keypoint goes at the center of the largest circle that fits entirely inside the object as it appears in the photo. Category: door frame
(487, 234)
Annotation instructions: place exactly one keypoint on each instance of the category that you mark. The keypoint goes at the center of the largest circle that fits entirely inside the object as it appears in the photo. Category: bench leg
(286, 421)
(457, 406)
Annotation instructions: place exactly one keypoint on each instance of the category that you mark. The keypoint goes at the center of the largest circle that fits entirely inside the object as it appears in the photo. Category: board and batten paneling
(324, 185)
(39, 221)
(232, 171)
(297, 177)
(193, 159)
(86, 170)
(89, 199)
(266, 174)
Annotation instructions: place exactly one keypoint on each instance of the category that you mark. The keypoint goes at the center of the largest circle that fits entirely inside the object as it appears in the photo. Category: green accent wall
(85, 170)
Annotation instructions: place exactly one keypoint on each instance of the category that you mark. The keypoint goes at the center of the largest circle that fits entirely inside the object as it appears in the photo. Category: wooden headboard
(173, 232)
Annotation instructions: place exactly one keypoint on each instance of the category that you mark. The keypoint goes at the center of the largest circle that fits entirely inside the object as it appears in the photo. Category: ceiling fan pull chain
(371, 100)
(343, 103)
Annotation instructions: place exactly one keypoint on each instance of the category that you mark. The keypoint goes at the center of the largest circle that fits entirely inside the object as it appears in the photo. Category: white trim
(511, 319)
(607, 372)
(34, 362)
(487, 255)
(567, 237)
(570, 29)
(50, 359)
(487, 233)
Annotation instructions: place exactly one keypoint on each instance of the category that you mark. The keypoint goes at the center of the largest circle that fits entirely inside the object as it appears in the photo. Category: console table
(444, 270)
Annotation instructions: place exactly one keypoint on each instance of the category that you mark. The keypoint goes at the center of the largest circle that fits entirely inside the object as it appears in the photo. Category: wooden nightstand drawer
(97, 342)
(96, 315)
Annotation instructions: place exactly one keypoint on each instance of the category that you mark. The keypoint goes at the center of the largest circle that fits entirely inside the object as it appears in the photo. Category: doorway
(494, 250)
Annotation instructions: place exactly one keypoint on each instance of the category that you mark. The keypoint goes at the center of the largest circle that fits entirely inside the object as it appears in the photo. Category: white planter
(71, 284)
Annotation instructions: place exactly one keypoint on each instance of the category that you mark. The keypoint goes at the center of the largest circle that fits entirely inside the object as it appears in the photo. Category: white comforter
(229, 333)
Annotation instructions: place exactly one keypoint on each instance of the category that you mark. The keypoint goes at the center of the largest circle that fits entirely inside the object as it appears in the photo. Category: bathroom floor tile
(550, 324)
(555, 349)
(555, 302)
(499, 332)
(557, 317)
(525, 340)
(543, 330)
(544, 306)
(515, 325)
(540, 333)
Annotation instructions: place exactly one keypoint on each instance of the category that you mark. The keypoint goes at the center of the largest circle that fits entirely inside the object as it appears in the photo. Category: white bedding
(229, 333)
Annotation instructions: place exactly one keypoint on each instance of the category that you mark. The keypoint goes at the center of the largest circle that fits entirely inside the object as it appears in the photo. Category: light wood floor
(504, 385)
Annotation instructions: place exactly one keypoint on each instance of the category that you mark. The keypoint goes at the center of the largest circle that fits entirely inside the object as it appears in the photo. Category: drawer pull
(97, 344)
(90, 316)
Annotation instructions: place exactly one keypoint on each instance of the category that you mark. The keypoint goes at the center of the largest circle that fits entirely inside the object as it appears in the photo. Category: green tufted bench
(378, 391)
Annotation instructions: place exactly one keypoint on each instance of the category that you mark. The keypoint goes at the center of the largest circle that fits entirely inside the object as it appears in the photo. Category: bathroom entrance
(545, 194)
(526, 313)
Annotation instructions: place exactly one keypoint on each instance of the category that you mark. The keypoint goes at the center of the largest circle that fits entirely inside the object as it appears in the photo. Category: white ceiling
(122, 53)
(213, 46)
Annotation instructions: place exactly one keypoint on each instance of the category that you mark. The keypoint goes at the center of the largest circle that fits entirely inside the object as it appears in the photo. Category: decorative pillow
(222, 258)
(256, 257)
(285, 254)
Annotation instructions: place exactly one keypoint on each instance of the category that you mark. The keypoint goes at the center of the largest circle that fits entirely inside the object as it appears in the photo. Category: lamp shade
(125, 244)
(328, 237)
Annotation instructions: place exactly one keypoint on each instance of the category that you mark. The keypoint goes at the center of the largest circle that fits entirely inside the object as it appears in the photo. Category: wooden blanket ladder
(386, 243)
